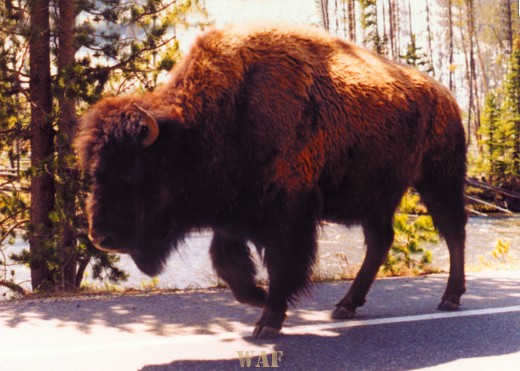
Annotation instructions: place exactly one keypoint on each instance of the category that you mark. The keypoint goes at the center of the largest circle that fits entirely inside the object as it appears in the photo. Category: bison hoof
(448, 305)
(265, 332)
(343, 313)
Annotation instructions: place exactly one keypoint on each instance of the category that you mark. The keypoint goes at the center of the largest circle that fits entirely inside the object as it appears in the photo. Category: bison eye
(143, 132)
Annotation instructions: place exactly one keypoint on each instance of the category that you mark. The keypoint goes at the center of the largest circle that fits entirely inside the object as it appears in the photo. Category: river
(190, 266)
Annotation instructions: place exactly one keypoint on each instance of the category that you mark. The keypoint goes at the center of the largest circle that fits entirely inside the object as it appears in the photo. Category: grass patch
(500, 259)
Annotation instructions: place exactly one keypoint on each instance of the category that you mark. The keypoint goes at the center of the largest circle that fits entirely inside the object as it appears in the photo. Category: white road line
(181, 339)
(390, 320)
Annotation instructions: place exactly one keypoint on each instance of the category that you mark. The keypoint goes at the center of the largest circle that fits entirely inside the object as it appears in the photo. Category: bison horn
(150, 123)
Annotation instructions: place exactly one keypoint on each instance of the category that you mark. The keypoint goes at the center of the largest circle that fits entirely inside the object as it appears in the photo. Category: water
(190, 266)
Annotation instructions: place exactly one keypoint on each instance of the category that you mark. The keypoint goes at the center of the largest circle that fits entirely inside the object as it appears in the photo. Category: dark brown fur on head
(128, 202)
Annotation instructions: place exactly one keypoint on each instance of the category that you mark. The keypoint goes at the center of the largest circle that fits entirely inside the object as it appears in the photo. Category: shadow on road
(376, 348)
(216, 312)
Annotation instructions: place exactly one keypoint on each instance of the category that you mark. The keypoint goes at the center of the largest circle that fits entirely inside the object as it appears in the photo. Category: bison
(260, 134)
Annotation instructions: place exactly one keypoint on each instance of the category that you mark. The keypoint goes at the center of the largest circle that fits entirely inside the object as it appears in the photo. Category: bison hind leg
(444, 199)
(233, 263)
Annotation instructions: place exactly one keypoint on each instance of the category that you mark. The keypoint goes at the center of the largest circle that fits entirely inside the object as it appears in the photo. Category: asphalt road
(398, 329)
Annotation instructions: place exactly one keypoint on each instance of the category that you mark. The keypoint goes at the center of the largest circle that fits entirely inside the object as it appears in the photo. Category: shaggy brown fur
(263, 133)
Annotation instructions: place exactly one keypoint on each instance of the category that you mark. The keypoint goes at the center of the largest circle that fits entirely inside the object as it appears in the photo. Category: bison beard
(259, 135)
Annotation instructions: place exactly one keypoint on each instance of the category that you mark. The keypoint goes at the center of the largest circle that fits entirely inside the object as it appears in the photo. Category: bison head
(127, 154)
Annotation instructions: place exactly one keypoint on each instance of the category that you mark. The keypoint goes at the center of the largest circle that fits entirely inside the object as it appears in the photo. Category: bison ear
(149, 127)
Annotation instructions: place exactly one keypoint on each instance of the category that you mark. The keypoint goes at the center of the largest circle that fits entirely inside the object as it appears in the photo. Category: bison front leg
(379, 236)
(289, 263)
(232, 262)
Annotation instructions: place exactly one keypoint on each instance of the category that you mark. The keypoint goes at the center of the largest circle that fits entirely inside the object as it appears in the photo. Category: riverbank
(340, 253)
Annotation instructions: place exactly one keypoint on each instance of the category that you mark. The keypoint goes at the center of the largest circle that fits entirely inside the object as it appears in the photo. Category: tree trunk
(351, 20)
(508, 24)
(429, 37)
(392, 29)
(385, 34)
(485, 83)
(471, 77)
(324, 9)
(67, 187)
(450, 47)
(344, 19)
(470, 84)
(397, 30)
(42, 137)
(410, 18)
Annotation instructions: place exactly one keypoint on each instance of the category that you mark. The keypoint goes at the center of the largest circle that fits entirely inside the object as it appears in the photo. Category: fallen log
(488, 204)
(473, 211)
(489, 187)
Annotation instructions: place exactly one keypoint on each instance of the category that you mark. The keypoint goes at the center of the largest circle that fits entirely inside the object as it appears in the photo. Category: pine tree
(415, 57)
(500, 131)
(372, 40)
(99, 47)
(511, 113)
(14, 123)
(490, 141)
